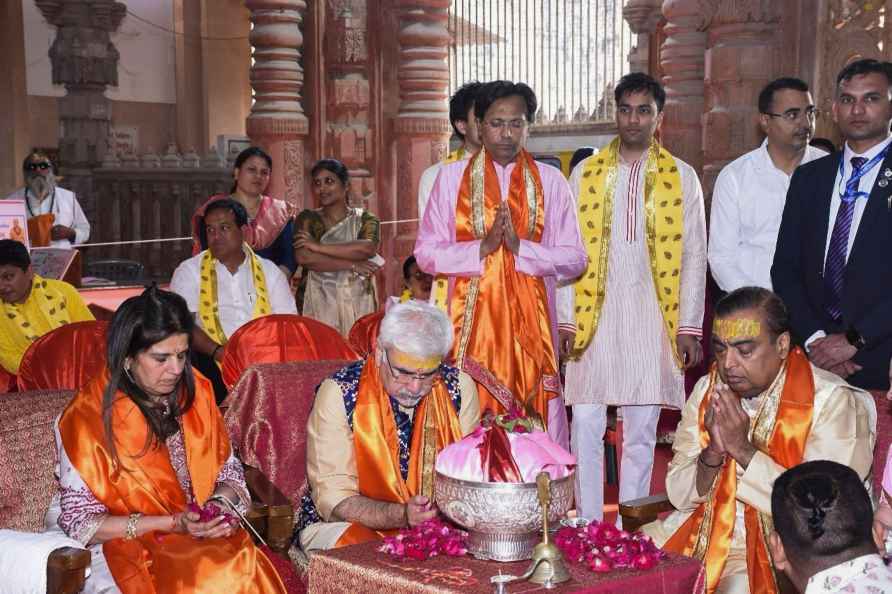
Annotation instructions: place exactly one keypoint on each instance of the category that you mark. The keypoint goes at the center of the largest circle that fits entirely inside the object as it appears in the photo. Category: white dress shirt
(66, 211)
(747, 207)
(236, 294)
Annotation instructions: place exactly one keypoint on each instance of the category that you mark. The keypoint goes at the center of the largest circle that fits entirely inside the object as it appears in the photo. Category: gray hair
(416, 328)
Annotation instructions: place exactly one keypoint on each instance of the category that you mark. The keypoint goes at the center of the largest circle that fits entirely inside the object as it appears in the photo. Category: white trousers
(587, 443)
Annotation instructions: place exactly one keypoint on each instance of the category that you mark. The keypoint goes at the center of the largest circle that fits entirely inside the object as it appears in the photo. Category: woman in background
(335, 243)
(270, 221)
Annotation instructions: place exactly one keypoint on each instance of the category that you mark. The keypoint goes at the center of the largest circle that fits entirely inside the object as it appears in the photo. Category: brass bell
(547, 567)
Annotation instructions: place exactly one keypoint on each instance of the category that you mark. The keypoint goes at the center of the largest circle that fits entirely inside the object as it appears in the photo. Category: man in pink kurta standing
(525, 231)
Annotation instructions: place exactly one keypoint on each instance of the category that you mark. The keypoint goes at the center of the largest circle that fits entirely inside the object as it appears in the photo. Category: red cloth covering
(363, 336)
(65, 358)
(267, 419)
(7, 381)
(884, 437)
(281, 337)
(361, 568)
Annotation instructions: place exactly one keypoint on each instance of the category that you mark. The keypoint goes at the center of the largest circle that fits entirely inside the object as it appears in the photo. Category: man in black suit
(833, 263)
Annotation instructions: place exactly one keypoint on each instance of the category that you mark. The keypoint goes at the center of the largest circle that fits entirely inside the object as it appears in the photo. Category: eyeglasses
(43, 166)
(402, 376)
(791, 115)
(514, 125)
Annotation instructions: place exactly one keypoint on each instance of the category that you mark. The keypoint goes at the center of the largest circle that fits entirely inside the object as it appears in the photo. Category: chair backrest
(363, 336)
(116, 269)
(267, 414)
(28, 456)
(64, 358)
(884, 438)
(278, 338)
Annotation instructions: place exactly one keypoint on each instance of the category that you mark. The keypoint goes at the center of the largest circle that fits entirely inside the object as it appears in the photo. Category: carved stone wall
(642, 16)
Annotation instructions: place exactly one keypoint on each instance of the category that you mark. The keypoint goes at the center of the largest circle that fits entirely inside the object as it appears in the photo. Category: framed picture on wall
(14, 221)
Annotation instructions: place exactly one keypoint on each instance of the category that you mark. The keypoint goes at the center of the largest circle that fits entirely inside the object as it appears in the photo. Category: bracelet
(216, 348)
(130, 530)
(704, 463)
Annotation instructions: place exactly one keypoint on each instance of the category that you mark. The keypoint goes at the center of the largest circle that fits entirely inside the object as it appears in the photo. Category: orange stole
(377, 447)
(503, 331)
(161, 561)
(706, 534)
(40, 229)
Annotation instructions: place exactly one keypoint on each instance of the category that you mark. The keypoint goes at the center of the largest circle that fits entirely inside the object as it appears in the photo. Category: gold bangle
(130, 530)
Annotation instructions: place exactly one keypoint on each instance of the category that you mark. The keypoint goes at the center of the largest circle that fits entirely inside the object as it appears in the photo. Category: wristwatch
(854, 338)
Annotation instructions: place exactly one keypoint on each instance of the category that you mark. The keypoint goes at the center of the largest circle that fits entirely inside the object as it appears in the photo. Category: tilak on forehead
(739, 329)
(406, 361)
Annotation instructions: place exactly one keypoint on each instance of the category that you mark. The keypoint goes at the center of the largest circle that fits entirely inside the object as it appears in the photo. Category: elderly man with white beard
(54, 214)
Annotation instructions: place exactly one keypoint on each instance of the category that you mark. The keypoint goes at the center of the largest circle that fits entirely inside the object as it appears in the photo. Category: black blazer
(798, 269)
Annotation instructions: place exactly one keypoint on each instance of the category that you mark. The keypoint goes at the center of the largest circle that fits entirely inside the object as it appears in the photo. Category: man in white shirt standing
(65, 223)
(750, 192)
(227, 285)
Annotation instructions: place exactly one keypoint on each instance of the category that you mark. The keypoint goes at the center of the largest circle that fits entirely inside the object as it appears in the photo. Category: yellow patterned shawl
(441, 283)
(208, 306)
(51, 303)
(664, 230)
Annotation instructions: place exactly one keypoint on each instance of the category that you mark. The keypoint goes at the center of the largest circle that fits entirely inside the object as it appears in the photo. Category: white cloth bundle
(23, 557)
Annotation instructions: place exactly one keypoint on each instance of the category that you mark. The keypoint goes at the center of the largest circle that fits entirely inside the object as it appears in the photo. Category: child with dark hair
(822, 535)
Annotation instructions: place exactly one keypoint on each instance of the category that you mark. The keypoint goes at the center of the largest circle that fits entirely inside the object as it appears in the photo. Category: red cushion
(28, 456)
(267, 419)
(278, 338)
(65, 358)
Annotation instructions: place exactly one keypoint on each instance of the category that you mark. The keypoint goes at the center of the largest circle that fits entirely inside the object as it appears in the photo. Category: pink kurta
(559, 257)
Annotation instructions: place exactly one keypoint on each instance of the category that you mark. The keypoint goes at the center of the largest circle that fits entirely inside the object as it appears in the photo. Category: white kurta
(630, 360)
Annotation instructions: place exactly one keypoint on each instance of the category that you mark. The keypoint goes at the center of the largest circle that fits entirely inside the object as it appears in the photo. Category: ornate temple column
(277, 121)
(642, 16)
(740, 60)
(83, 59)
(422, 125)
(13, 98)
(681, 58)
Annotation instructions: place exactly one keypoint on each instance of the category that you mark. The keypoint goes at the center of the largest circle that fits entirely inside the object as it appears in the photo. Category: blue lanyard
(857, 175)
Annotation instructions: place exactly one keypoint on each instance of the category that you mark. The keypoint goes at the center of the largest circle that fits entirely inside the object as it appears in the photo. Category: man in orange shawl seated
(376, 428)
(761, 410)
(502, 227)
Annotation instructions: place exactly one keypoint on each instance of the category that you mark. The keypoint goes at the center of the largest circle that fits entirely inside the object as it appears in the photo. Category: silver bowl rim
(498, 486)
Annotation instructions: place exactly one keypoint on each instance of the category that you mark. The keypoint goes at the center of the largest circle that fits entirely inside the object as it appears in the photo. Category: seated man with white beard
(366, 438)
(55, 217)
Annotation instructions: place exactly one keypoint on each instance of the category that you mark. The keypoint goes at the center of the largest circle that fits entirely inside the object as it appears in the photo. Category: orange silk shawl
(706, 534)
(161, 561)
(40, 229)
(503, 329)
(435, 425)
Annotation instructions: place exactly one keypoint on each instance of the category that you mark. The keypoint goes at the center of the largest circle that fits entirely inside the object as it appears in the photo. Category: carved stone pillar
(422, 122)
(277, 121)
(740, 61)
(642, 16)
(681, 58)
(83, 59)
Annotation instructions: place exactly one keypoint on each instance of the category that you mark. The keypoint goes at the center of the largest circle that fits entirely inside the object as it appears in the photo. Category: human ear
(778, 554)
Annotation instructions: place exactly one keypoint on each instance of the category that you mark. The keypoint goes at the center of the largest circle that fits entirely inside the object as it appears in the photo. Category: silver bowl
(503, 520)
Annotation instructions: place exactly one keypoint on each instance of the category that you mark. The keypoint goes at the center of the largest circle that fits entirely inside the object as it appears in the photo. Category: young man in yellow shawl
(30, 306)
(762, 409)
(632, 322)
(227, 286)
(376, 428)
(502, 228)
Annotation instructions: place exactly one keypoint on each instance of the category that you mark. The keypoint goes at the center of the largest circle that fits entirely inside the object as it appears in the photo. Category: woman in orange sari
(138, 445)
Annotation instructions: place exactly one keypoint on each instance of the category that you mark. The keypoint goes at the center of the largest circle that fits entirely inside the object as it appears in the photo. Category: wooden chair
(278, 338)
(639, 512)
(64, 358)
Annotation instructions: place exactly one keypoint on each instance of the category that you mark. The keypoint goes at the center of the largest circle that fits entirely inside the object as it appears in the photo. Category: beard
(41, 185)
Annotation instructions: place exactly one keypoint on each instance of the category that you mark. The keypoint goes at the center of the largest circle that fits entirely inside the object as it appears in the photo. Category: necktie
(835, 266)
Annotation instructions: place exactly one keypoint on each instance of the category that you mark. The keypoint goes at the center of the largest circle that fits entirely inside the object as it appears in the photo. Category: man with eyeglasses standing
(55, 217)
(750, 192)
(631, 324)
(832, 266)
(376, 427)
(502, 228)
